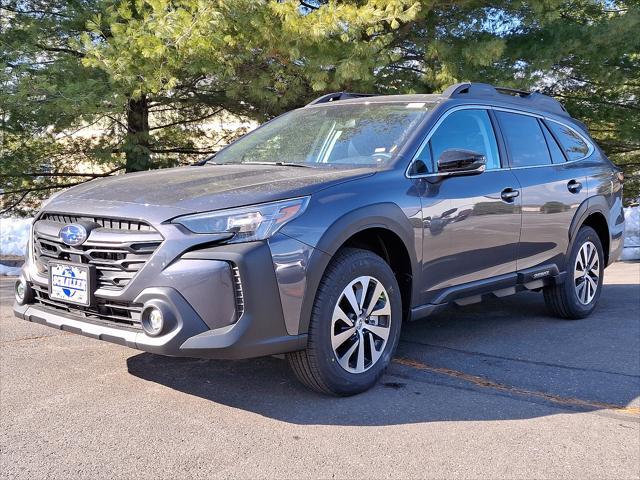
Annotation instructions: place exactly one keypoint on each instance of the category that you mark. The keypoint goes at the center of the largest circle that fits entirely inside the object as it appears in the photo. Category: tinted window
(525, 140)
(465, 130)
(573, 145)
(556, 153)
(423, 162)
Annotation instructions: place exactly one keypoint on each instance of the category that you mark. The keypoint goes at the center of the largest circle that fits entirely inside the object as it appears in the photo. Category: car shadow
(498, 360)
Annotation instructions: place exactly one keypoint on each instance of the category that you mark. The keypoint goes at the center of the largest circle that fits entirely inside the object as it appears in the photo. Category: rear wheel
(578, 295)
(354, 328)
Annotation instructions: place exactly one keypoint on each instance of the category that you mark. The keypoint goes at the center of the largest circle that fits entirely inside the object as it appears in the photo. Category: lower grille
(104, 312)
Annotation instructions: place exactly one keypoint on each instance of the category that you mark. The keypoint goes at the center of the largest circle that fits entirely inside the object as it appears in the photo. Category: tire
(576, 297)
(332, 362)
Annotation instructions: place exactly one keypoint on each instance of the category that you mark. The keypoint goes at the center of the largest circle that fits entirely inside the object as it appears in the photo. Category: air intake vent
(104, 312)
(237, 284)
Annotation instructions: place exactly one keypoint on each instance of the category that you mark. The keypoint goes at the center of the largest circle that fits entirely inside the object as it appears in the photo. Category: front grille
(105, 312)
(117, 248)
(111, 223)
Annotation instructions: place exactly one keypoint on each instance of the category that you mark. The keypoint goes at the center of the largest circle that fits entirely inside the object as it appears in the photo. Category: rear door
(552, 188)
(471, 223)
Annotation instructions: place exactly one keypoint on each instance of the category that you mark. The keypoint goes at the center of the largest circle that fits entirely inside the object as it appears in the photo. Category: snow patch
(14, 233)
(631, 249)
(9, 271)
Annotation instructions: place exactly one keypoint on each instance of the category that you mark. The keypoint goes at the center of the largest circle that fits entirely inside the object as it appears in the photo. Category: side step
(505, 285)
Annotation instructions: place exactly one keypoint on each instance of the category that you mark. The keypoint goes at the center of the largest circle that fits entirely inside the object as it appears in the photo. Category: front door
(471, 223)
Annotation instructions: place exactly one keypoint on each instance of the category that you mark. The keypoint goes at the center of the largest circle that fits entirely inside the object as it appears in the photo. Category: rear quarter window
(573, 145)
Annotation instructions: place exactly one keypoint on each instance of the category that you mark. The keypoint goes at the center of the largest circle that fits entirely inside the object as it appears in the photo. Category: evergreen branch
(412, 69)
(60, 50)
(14, 204)
(182, 122)
(308, 5)
(598, 102)
(119, 122)
(32, 11)
(61, 174)
(91, 176)
(194, 151)
(43, 188)
(617, 147)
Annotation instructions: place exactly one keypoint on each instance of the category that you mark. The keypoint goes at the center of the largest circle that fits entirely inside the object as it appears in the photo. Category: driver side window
(464, 130)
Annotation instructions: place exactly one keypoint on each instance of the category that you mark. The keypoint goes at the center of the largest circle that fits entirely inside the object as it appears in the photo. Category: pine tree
(148, 73)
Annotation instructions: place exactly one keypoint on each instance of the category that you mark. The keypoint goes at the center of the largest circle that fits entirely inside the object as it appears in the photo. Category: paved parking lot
(498, 390)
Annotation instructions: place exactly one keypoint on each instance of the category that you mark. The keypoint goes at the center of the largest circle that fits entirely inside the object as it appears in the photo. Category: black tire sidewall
(344, 269)
(585, 234)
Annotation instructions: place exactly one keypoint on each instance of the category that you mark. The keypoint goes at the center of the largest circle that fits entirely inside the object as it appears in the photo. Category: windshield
(351, 134)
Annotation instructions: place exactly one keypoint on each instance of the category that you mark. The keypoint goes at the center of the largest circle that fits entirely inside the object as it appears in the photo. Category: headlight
(256, 222)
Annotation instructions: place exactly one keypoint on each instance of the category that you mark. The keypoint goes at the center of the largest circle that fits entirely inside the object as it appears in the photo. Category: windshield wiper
(279, 164)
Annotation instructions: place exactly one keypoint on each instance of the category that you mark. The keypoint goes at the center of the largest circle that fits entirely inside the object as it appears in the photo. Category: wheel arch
(381, 228)
(592, 213)
(598, 222)
(391, 248)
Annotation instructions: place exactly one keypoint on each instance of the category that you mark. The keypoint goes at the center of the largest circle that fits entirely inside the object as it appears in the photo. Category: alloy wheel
(361, 324)
(586, 274)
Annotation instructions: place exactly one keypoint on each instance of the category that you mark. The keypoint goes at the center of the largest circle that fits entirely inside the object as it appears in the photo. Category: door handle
(509, 194)
(574, 186)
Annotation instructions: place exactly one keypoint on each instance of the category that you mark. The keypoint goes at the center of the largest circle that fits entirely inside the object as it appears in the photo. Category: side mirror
(461, 162)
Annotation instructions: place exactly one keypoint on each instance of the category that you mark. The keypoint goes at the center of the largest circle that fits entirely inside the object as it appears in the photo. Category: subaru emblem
(73, 235)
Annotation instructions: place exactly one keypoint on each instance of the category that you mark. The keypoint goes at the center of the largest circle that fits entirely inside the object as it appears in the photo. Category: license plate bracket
(71, 283)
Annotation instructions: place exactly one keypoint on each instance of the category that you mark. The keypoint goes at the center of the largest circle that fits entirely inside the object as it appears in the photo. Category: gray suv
(320, 232)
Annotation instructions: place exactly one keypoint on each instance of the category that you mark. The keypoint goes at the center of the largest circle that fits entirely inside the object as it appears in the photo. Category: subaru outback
(318, 234)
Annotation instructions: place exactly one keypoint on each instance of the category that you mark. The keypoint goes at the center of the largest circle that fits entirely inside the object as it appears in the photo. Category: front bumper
(192, 339)
(197, 285)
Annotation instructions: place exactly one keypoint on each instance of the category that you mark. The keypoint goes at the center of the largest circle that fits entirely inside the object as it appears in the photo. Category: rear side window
(574, 147)
(554, 149)
(525, 140)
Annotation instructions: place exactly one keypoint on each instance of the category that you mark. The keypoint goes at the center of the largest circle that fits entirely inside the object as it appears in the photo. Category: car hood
(161, 194)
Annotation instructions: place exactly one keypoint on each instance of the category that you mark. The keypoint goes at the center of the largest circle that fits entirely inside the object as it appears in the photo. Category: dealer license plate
(70, 283)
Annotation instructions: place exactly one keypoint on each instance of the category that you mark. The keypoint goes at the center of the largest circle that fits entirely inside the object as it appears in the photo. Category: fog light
(21, 291)
(153, 321)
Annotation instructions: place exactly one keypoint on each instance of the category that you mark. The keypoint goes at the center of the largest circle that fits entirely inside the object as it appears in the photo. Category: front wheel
(354, 328)
(578, 295)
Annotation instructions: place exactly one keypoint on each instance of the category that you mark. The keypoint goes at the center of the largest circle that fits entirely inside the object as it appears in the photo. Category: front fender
(387, 216)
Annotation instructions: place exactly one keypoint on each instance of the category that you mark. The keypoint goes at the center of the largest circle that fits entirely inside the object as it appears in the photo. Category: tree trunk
(137, 143)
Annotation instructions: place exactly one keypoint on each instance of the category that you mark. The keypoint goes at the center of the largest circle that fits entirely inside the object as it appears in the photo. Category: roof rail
(511, 95)
(335, 96)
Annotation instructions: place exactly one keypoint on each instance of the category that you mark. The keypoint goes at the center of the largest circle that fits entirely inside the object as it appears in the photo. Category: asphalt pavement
(494, 390)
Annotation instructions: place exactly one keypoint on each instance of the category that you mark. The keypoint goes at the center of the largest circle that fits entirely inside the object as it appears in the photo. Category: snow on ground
(9, 271)
(632, 234)
(14, 233)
